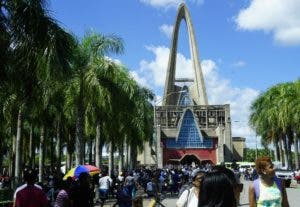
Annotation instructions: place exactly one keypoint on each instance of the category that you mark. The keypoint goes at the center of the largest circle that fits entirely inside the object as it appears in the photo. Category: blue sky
(245, 46)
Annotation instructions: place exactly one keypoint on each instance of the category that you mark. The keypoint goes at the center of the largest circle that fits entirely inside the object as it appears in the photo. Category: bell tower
(186, 128)
(197, 89)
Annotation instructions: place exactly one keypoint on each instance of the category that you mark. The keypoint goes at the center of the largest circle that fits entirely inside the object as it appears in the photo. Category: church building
(188, 129)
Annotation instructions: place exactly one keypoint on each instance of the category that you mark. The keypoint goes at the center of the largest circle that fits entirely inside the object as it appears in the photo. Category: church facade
(188, 129)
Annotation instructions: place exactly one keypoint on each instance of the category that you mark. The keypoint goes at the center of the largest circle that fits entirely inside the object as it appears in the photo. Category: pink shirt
(62, 195)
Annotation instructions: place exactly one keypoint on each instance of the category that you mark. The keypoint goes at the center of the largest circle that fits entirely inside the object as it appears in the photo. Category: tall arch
(198, 91)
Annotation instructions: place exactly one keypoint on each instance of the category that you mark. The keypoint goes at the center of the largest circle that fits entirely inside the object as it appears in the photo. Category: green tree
(92, 47)
(39, 48)
(274, 115)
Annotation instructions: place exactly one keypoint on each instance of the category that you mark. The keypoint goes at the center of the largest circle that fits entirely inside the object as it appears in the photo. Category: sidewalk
(168, 200)
(146, 201)
(140, 193)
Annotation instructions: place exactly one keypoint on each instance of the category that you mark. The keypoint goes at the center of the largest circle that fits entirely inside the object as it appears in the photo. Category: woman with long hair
(189, 197)
(216, 190)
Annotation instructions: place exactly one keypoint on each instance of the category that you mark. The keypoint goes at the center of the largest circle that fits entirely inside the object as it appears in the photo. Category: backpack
(257, 189)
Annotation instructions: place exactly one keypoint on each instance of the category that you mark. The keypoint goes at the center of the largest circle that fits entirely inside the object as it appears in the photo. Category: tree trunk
(18, 148)
(79, 145)
(24, 152)
(58, 147)
(1, 155)
(281, 151)
(91, 151)
(31, 148)
(133, 155)
(98, 151)
(127, 156)
(69, 153)
(52, 153)
(12, 155)
(111, 158)
(289, 138)
(276, 151)
(41, 154)
(296, 151)
(289, 154)
(121, 158)
(285, 150)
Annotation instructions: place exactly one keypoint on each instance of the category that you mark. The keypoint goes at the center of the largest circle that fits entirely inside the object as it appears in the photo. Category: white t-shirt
(149, 186)
(191, 198)
(105, 182)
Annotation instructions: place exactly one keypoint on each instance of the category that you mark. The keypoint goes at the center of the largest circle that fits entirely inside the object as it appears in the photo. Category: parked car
(286, 175)
(243, 166)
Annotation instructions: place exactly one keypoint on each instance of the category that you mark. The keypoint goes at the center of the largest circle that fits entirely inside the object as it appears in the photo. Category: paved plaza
(293, 197)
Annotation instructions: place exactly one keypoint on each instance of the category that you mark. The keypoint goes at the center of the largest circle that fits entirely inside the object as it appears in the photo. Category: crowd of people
(196, 186)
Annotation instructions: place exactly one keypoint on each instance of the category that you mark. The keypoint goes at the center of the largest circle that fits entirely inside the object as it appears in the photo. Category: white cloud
(168, 3)
(197, 1)
(162, 3)
(117, 61)
(155, 70)
(167, 30)
(279, 17)
(219, 89)
(239, 64)
(141, 80)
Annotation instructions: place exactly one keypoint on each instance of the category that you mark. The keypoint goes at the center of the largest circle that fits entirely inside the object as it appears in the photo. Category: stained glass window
(185, 99)
(189, 137)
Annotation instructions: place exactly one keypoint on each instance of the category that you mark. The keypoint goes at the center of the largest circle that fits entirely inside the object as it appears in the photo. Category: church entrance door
(189, 159)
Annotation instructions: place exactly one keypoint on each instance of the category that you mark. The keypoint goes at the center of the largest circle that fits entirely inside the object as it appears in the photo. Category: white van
(245, 165)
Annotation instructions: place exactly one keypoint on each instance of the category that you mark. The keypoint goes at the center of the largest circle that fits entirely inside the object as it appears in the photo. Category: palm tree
(92, 49)
(39, 46)
(274, 116)
(4, 45)
(131, 113)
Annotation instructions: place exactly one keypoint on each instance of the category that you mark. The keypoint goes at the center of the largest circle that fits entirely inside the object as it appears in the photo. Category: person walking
(216, 190)
(105, 183)
(189, 197)
(29, 195)
(62, 199)
(267, 190)
(81, 194)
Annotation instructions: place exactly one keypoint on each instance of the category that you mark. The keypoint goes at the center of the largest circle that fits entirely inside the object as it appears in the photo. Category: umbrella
(76, 171)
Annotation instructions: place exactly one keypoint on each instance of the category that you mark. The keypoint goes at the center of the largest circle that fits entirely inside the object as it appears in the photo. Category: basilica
(186, 128)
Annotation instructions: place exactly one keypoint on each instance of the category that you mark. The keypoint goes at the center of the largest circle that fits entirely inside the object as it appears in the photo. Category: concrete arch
(198, 91)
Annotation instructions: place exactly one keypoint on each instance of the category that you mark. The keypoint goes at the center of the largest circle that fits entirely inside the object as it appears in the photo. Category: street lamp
(155, 121)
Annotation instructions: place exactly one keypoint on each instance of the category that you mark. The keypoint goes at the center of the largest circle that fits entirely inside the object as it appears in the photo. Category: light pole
(157, 101)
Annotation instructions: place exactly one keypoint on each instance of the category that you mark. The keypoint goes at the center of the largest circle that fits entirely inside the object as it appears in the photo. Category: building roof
(239, 139)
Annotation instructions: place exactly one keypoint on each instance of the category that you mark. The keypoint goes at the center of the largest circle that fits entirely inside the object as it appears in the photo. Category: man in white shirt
(105, 182)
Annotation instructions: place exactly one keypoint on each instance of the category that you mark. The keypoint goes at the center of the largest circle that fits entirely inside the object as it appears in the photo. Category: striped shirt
(61, 197)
